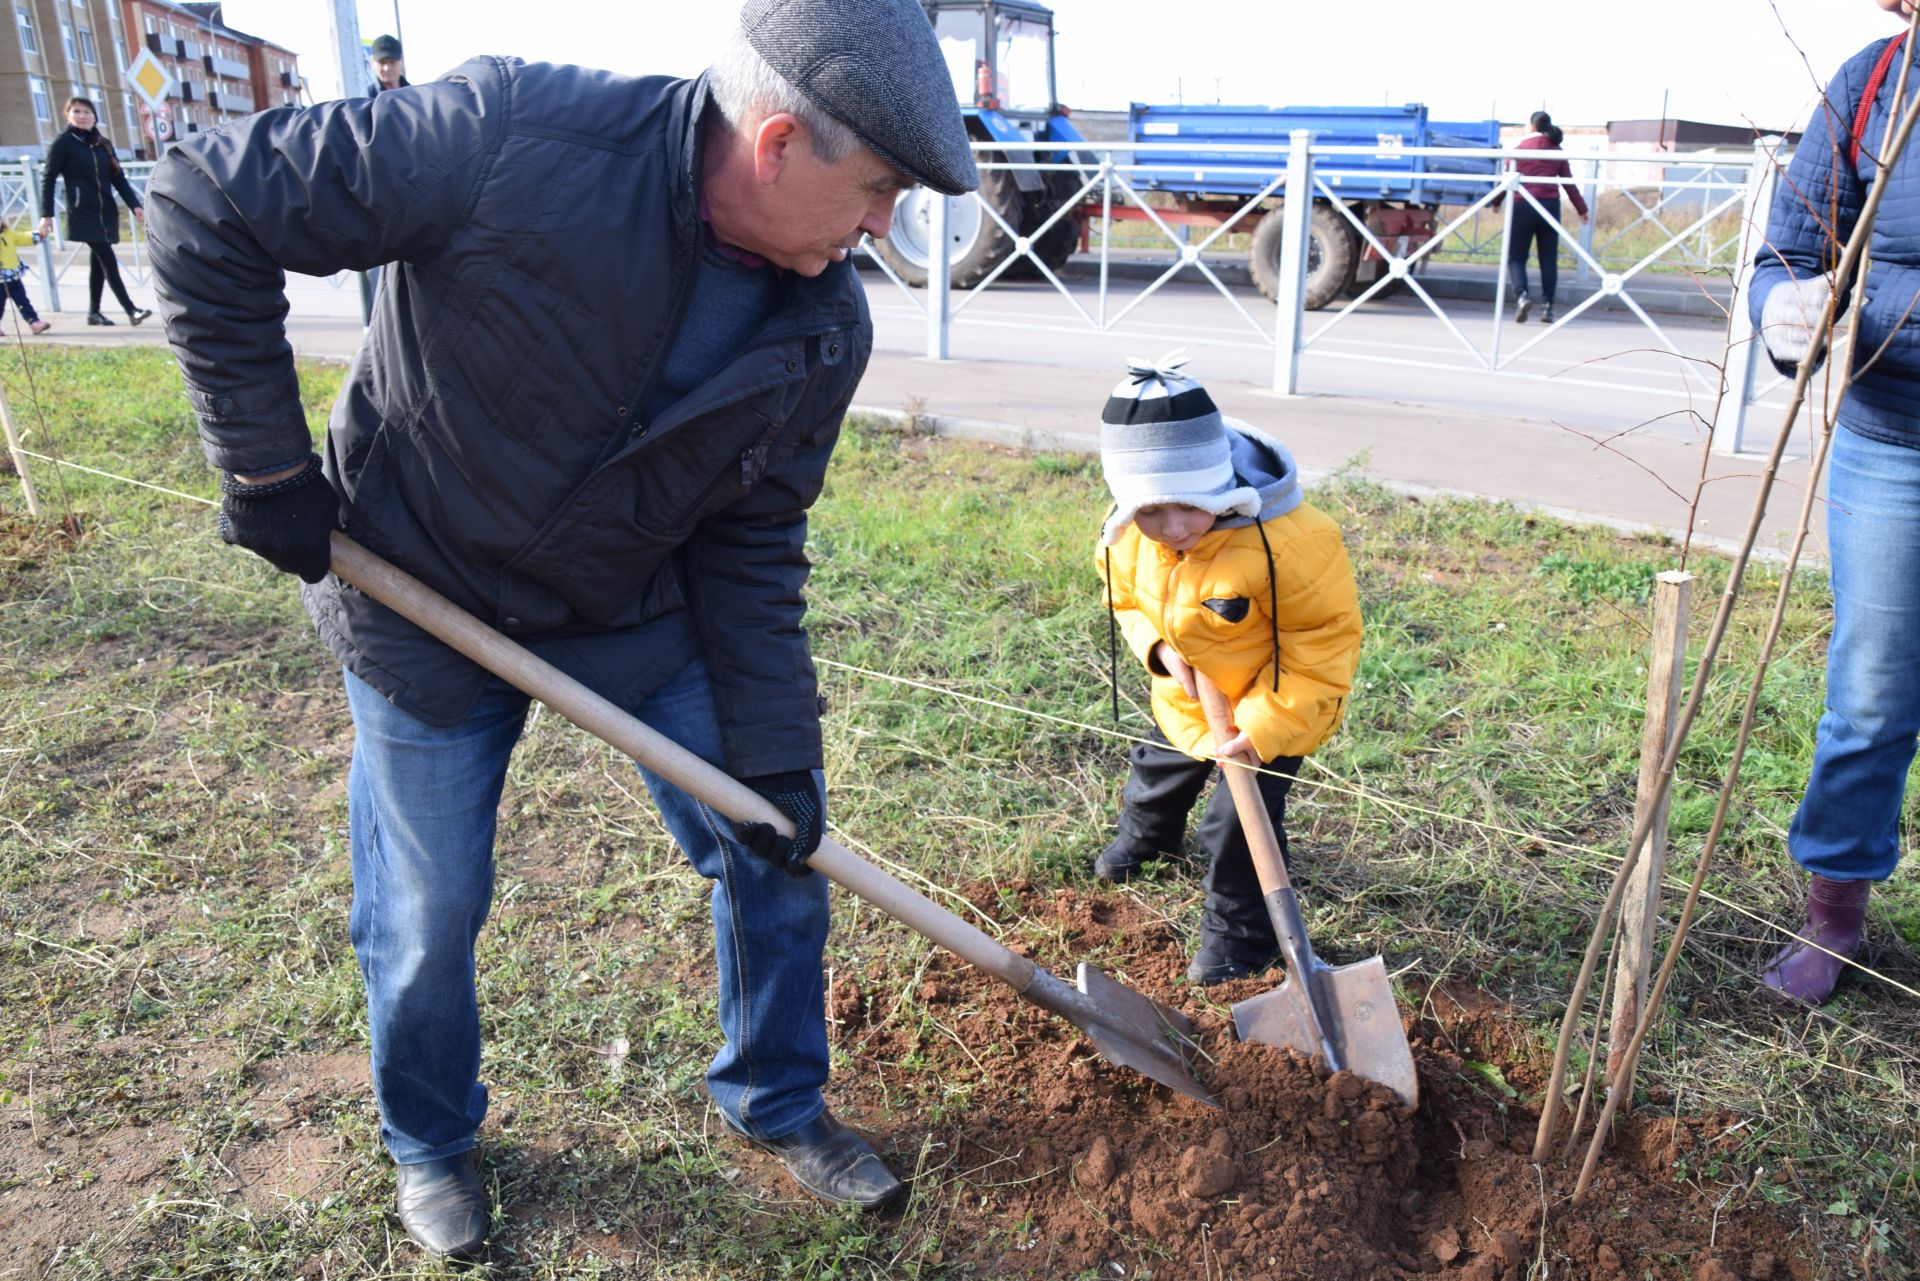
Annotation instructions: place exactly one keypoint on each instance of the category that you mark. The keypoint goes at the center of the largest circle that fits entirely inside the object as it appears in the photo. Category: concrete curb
(1046, 440)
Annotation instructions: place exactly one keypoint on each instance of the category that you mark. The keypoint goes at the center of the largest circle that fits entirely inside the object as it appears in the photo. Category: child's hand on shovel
(1237, 748)
(1177, 667)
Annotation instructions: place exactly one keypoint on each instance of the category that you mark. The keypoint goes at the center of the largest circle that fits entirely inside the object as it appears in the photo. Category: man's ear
(773, 145)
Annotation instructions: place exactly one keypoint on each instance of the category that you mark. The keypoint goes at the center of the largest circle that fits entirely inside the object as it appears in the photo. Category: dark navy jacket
(1814, 210)
(543, 223)
(86, 161)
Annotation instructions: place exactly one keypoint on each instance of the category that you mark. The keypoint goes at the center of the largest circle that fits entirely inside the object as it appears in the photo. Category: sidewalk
(1636, 484)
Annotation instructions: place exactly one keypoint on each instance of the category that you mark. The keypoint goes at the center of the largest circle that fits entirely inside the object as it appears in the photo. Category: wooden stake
(19, 459)
(1640, 909)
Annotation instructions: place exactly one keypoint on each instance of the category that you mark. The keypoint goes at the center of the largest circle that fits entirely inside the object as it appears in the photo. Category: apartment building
(219, 74)
(62, 49)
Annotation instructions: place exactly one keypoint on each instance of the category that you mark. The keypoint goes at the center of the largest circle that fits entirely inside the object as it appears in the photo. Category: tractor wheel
(975, 242)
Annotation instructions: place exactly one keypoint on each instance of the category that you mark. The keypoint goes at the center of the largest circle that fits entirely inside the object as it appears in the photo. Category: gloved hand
(1788, 317)
(286, 521)
(799, 795)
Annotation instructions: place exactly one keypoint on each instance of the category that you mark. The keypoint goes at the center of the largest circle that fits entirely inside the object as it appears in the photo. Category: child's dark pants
(1162, 785)
(17, 290)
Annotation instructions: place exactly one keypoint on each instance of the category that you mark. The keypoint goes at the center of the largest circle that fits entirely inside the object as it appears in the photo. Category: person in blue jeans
(607, 453)
(1846, 833)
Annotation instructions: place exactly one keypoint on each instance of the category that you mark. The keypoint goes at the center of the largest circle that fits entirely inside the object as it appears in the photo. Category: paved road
(1603, 371)
(1387, 388)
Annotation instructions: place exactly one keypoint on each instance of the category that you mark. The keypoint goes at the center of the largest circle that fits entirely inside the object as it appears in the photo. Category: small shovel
(1127, 1028)
(1345, 1013)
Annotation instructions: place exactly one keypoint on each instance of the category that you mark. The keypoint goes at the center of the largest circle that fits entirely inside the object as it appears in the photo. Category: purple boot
(1836, 920)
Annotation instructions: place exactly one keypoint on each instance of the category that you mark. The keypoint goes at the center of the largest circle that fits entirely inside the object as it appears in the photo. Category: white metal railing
(1705, 220)
(20, 207)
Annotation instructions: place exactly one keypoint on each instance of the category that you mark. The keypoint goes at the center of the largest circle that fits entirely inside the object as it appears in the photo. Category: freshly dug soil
(1054, 1163)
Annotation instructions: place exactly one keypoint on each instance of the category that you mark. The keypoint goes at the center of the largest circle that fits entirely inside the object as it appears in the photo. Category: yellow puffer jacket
(11, 243)
(1159, 594)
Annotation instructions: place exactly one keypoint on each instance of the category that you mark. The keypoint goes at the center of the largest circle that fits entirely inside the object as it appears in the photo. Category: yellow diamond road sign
(149, 79)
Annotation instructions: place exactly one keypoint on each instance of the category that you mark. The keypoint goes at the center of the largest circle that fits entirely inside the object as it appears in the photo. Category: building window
(27, 40)
(42, 105)
(88, 54)
(151, 28)
(120, 49)
(133, 119)
(66, 38)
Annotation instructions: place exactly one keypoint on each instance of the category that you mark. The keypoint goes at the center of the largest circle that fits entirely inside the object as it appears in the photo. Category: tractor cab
(1000, 55)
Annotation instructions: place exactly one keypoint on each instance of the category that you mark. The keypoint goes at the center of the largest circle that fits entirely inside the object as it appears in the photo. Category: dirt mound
(1055, 1163)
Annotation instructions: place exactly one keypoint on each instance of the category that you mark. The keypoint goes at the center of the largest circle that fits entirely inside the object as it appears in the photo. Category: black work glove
(799, 796)
(288, 521)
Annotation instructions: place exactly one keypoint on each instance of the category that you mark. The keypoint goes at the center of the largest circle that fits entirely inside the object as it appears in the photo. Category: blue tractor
(1000, 55)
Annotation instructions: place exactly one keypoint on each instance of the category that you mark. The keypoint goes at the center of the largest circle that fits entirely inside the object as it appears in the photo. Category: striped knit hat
(1163, 441)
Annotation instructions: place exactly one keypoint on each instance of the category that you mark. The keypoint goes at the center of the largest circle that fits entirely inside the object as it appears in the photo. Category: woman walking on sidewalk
(84, 157)
(1530, 227)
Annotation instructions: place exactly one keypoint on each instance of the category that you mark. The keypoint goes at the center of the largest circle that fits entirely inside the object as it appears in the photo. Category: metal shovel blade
(1363, 1023)
(1127, 1028)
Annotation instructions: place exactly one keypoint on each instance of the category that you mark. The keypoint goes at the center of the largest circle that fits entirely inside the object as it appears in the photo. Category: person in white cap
(605, 371)
(1214, 561)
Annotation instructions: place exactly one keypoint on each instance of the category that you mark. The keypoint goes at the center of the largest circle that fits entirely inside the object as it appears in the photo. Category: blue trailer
(1000, 55)
(1395, 194)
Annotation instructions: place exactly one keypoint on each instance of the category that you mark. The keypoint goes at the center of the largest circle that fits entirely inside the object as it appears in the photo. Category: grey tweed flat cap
(875, 66)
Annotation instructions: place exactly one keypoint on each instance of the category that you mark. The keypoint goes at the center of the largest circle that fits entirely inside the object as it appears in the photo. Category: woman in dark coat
(83, 156)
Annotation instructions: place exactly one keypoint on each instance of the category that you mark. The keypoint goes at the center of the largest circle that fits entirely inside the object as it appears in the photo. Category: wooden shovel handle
(435, 614)
(1267, 863)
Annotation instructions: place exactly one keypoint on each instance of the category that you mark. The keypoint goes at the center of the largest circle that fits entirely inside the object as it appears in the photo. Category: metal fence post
(1512, 197)
(939, 277)
(1593, 213)
(1745, 353)
(30, 170)
(1296, 224)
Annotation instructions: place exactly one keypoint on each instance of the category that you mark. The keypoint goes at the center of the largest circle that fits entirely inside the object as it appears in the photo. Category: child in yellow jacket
(12, 271)
(1214, 561)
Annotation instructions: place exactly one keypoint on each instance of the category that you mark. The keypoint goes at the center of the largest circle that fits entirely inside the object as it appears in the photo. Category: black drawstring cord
(1113, 640)
(1273, 601)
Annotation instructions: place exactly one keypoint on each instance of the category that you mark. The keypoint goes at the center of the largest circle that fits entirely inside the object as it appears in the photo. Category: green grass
(173, 879)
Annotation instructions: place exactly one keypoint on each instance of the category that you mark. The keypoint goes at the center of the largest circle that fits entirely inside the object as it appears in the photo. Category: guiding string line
(1341, 788)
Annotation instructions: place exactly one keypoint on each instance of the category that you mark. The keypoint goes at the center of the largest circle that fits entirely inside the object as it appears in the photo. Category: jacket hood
(1263, 465)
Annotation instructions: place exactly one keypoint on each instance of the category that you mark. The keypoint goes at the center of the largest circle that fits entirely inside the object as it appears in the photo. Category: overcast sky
(1724, 61)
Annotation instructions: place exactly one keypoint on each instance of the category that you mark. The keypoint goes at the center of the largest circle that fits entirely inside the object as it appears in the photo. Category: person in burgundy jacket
(1548, 178)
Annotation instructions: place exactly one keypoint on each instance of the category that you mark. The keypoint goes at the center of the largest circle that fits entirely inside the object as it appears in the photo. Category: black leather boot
(1122, 861)
(830, 1161)
(443, 1207)
(1236, 935)
(1220, 959)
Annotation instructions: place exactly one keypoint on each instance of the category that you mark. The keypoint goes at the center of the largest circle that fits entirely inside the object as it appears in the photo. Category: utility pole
(352, 55)
(353, 66)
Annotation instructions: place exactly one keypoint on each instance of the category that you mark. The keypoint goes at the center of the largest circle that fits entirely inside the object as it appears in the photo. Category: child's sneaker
(1122, 861)
(40, 326)
(1221, 960)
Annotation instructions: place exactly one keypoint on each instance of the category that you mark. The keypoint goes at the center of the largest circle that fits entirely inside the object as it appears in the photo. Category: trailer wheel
(975, 242)
(1333, 254)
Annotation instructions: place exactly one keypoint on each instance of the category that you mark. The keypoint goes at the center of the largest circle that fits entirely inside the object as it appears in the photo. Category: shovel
(1124, 1026)
(1345, 1013)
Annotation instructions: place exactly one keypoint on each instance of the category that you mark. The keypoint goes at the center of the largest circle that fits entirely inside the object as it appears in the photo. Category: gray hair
(746, 89)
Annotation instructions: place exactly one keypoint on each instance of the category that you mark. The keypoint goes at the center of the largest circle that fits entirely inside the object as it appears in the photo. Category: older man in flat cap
(597, 398)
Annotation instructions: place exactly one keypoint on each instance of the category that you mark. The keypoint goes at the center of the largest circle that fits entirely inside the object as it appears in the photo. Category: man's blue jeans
(421, 801)
(1848, 825)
